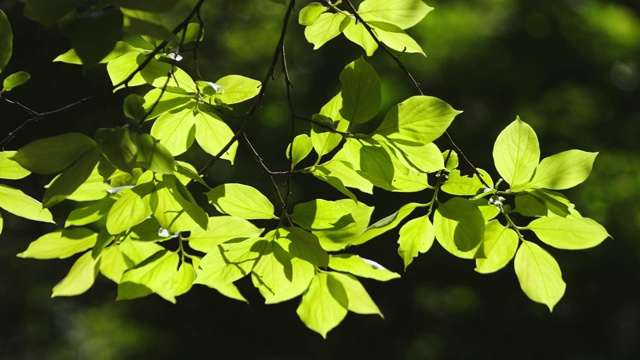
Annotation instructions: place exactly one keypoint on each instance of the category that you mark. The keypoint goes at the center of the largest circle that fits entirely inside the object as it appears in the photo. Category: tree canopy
(159, 199)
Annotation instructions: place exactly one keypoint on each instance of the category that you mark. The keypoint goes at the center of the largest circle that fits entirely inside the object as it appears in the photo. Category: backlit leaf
(242, 201)
(221, 229)
(21, 204)
(310, 13)
(324, 305)
(361, 93)
(459, 227)
(301, 148)
(357, 33)
(213, 135)
(14, 80)
(60, 244)
(71, 178)
(516, 154)
(358, 266)
(539, 274)
(347, 231)
(419, 118)
(326, 27)
(9, 168)
(53, 154)
(416, 236)
(154, 273)
(387, 223)
(359, 300)
(563, 170)
(273, 273)
(569, 233)
(130, 209)
(230, 261)
(500, 244)
(402, 13)
(236, 89)
(175, 130)
(457, 184)
(80, 278)
(395, 38)
(318, 214)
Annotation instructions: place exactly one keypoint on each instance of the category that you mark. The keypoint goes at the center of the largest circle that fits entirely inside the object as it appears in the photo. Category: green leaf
(14, 80)
(371, 161)
(9, 168)
(273, 272)
(221, 229)
(182, 281)
(164, 102)
(310, 13)
(396, 39)
(113, 263)
(459, 227)
(301, 148)
(53, 154)
(71, 178)
(529, 205)
(319, 214)
(132, 208)
(563, 170)
(325, 28)
(213, 135)
(324, 305)
(419, 118)
(230, 261)
(358, 266)
(236, 89)
(154, 156)
(118, 147)
(402, 13)
(133, 107)
(146, 5)
(175, 130)
(416, 236)
(230, 290)
(361, 93)
(176, 210)
(345, 173)
(302, 273)
(154, 273)
(359, 300)
(516, 154)
(387, 223)
(326, 176)
(457, 184)
(166, 76)
(60, 244)
(303, 245)
(80, 278)
(121, 48)
(21, 204)
(555, 202)
(357, 33)
(1, 223)
(347, 231)
(539, 274)
(242, 201)
(569, 233)
(424, 157)
(451, 159)
(94, 188)
(94, 33)
(88, 214)
(121, 67)
(145, 23)
(6, 41)
(323, 140)
(500, 244)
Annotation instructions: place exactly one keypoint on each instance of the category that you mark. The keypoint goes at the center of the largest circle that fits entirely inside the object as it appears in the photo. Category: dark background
(567, 67)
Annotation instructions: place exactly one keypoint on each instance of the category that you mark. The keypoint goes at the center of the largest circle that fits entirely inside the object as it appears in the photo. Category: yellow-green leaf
(60, 244)
(80, 278)
(539, 275)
